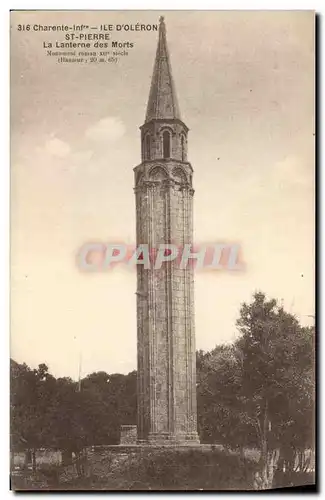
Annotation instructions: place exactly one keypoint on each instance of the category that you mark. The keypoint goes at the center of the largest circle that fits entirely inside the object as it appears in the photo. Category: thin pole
(79, 375)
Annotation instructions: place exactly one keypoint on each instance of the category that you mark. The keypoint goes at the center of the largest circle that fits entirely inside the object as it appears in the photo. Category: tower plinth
(167, 408)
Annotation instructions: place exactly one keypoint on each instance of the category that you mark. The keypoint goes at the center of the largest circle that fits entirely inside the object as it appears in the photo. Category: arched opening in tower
(183, 148)
(148, 147)
(166, 144)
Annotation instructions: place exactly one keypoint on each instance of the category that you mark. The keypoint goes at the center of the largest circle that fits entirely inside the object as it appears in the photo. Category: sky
(245, 86)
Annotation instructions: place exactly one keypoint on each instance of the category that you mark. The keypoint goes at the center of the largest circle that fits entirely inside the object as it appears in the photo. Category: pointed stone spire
(162, 98)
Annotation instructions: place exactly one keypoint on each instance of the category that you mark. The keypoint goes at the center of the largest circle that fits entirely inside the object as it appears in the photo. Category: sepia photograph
(162, 250)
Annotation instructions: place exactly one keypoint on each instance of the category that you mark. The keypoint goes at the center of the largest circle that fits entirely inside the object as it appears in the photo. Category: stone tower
(167, 411)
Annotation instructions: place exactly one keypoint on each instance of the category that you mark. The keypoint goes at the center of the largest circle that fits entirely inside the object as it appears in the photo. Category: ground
(186, 470)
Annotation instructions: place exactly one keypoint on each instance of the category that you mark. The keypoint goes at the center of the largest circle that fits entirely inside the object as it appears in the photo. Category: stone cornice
(163, 161)
(165, 120)
(165, 185)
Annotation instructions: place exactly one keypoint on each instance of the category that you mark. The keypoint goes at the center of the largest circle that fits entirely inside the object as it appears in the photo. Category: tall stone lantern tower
(167, 409)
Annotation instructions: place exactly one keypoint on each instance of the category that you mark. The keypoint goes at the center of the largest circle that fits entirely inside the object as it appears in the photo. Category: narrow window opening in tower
(147, 153)
(183, 148)
(166, 144)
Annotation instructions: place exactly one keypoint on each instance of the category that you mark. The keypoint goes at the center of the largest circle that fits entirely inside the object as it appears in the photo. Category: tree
(54, 413)
(220, 414)
(259, 390)
(30, 390)
(276, 355)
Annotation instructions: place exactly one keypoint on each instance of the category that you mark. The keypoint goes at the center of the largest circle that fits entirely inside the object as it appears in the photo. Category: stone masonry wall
(166, 349)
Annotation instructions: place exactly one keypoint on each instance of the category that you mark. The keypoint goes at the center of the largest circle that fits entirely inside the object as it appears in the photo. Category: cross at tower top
(162, 98)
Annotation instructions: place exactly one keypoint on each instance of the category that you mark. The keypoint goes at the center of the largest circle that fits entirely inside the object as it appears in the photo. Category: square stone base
(128, 435)
(167, 439)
